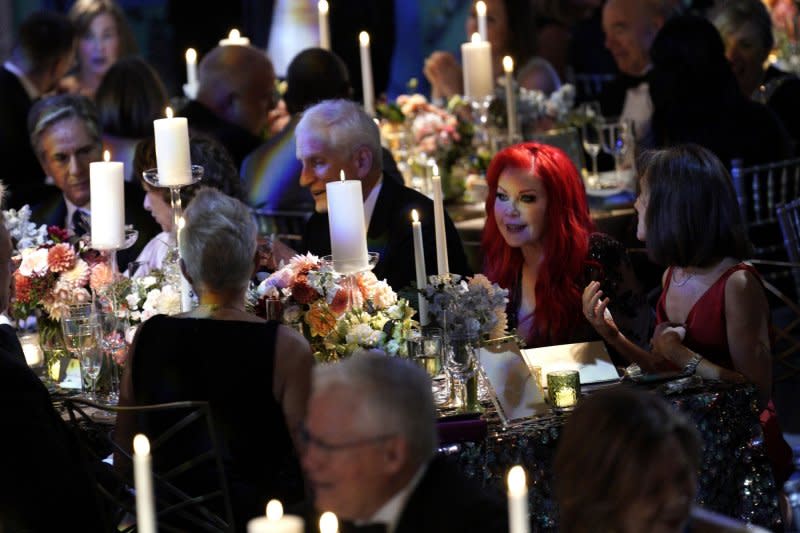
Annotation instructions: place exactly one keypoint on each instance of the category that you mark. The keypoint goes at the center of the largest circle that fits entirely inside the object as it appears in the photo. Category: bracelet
(691, 366)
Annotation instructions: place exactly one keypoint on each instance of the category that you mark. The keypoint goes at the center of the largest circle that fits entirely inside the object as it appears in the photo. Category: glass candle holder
(563, 388)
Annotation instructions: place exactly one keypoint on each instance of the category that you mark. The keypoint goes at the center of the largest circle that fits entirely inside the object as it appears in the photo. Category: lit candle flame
(322, 6)
(106, 156)
(191, 55)
(341, 175)
(516, 480)
(274, 510)
(476, 38)
(168, 112)
(414, 215)
(508, 64)
(480, 8)
(141, 445)
(363, 38)
(328, 523)
(234, 34)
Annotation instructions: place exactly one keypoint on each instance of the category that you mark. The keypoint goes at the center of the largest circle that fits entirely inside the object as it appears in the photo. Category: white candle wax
(348, 229)
(419, 266)
(191, 66)
(275, 521)
(438, 219)
(328, 523)
(476, 57)
(234, 39)
(172, 150)
(518, 521)
(106, 189)
(511, 103)
(324, 28)
(366, 74)
(480, 11)
(143, 480)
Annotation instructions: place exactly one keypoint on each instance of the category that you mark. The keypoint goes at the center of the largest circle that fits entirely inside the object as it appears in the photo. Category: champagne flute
(591, 136)
(113, 328)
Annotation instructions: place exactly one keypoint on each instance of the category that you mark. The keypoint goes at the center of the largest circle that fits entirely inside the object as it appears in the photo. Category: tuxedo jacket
(21, 172)
(52, 210)
(444, 501)
(389, 234)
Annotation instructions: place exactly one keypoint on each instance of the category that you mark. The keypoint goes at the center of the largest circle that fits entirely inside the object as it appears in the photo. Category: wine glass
(113, 329)
(81, 335)
(591, 135)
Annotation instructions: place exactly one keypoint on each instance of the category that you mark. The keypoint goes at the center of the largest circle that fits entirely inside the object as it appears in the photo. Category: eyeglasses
(307, 440)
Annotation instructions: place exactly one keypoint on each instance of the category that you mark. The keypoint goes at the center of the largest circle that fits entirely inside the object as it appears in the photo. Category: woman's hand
(444, 74)
(667, 342)
(594, 309)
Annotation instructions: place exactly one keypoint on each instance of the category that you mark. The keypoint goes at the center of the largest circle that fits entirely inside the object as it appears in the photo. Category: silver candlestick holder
(152, 178)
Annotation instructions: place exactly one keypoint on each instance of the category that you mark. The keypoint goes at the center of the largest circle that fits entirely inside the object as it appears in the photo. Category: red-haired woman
(539, 243)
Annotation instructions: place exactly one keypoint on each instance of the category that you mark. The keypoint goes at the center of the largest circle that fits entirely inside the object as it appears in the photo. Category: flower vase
(54, 350)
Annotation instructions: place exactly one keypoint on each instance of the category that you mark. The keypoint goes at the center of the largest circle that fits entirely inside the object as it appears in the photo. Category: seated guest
(104, 36)
(271, 173)
(130, 97)
(696, 98)
(691, 223)
(235, 94)
(538, 244)
(337, 135)
(66, 136)
(254, 374)
(38, 455)
(41, 56)
(369, 453)
(508, 27)
(746, 29)
(218, 172)
(640, 472)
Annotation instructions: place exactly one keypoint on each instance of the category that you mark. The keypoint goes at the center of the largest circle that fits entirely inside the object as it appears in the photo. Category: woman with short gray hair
(254, 374)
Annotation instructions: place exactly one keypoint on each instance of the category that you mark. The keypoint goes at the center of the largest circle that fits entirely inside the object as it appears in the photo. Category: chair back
(287, 226)
(191, 490)
(789, 219)
(759, 190)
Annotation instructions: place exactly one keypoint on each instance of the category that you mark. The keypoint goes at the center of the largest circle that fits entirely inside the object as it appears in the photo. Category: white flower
(34, 262)
(133, 300)
(148, 281)
(364, 335)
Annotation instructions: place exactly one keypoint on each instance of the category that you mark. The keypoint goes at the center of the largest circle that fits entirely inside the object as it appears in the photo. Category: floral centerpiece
(338, 315)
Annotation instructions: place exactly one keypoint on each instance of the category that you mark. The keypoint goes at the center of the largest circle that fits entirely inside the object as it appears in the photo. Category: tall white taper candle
(480, 11)
(143, 480)
(438, 219)
(518, 521)
(366, 74)
(511, 103)
(324, 27)
(419, 266)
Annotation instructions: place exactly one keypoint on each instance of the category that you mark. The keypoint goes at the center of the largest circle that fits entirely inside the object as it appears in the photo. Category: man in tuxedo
(66, 137)
(41, 56)
(236, 92)
(630, 27)
(369, 453)
(337, 135)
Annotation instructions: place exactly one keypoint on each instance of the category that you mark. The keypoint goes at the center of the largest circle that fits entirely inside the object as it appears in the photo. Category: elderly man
(235, 95)
(337, 135)
(630, 27)
(66, 137)
(369, 453)
(42, 55)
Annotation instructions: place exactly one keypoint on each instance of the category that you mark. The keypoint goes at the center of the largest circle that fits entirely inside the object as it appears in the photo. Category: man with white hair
(369, 453)
(337, 135)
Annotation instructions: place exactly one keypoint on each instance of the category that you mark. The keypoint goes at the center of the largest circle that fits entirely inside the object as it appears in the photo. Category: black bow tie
(349, 527)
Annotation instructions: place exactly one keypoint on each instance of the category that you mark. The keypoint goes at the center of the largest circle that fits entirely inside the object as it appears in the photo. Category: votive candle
(366, 74)
(172, 150)
(107, 191)
(419, 266)
(275, 521)
(143, 480)
(518, 521)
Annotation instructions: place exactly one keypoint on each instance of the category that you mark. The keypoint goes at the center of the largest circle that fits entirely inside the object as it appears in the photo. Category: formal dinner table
(735, 477)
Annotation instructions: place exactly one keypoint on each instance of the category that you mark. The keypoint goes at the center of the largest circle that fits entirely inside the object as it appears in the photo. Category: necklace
(207, 310)
(682, 282)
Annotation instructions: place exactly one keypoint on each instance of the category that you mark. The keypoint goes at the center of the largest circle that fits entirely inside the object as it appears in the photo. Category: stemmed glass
(460, 356)
(113, 329)
(592, 140)
(81, 334)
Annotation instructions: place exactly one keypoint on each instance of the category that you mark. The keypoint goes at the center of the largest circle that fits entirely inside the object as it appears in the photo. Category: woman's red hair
(565, 241)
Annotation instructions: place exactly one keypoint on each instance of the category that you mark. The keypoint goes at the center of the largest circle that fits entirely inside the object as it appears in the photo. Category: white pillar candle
(511, 103)
(328, 523)
(324, 27)
(348, 229)
(366, 74)
(172, 150)
(419, 266)
(275, 521)
(476, 58)
(438, 219)
(518, 521)
(191, 66)
(106, 189)
(480, 10)
(234, 39)
(143, 480)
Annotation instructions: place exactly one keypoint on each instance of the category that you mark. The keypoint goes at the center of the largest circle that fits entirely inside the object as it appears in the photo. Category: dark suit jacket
(21, 173)
(238, 141)
(53, 211)
(444, 501)
(389, 234)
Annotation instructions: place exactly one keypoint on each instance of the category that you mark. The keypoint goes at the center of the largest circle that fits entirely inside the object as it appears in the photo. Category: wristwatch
(691, 366)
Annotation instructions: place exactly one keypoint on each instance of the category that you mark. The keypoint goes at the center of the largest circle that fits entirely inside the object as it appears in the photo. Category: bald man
(630, 26)
(235, 95)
